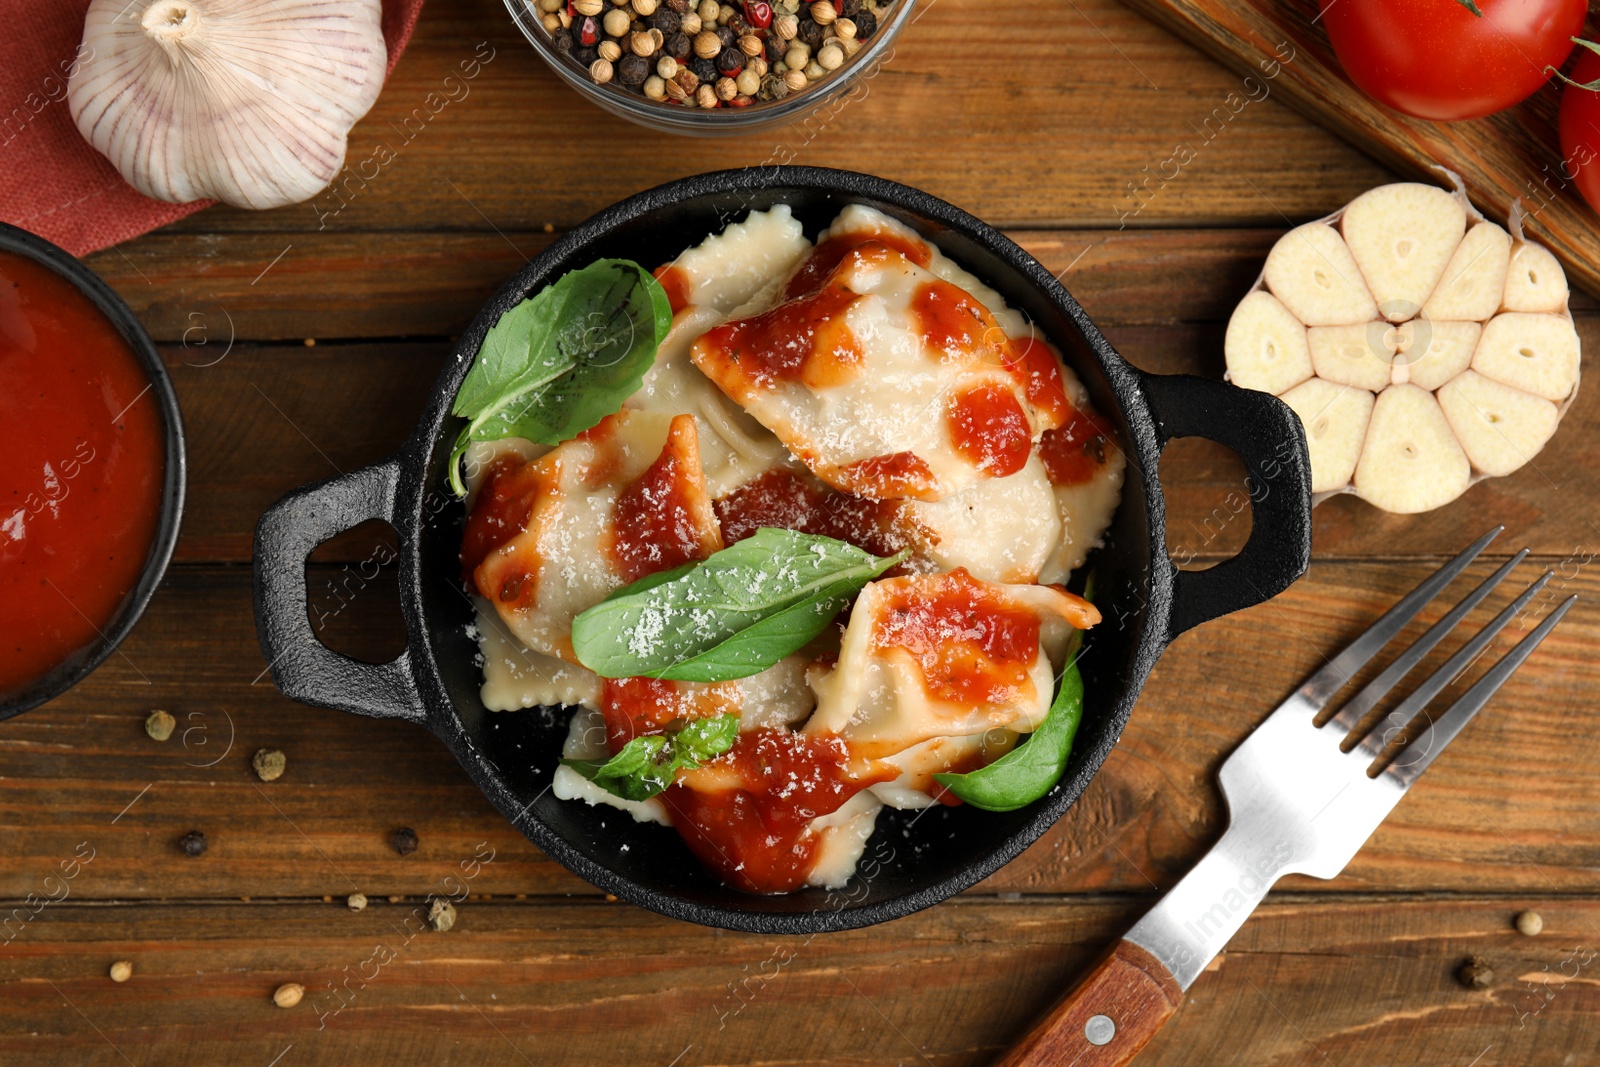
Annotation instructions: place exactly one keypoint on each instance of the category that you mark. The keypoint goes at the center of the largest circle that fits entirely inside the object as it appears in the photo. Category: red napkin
(51, 181)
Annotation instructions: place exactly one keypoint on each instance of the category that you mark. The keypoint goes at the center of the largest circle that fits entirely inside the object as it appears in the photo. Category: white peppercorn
(159, 725)
(655, 88)
(690, 23)
(356, 901)
(795, 80)
(797, 57)
(759, 65)
(642, 44)
(550, 6)
(645, 8)
(1530, 924)
(610, 51)
(601, 71)
(815, 71)
(786, 26)
(588, 7)
(121, 971)
(288, 994)
(616, 22)
(751, 45)
(551, 23)
(748, 82)
(269, 764)
(709, 10)
(844, 28)
(830, 57)
(667, 67)
(441, 914)
(706, 96)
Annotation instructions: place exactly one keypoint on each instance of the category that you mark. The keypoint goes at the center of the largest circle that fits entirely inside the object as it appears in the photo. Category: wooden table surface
(1034, 115)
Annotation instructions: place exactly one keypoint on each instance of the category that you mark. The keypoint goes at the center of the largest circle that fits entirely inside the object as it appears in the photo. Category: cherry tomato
(1580, 129)
(1437, 60)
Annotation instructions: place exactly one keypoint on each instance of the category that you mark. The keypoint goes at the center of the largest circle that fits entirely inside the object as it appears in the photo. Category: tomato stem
(1472, 7)
(1593, 86)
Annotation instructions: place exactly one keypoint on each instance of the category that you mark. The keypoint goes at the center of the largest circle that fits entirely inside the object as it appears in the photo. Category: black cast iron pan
(911, 862)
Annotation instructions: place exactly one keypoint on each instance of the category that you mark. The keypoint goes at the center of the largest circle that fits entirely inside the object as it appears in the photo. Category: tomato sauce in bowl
(90, 471)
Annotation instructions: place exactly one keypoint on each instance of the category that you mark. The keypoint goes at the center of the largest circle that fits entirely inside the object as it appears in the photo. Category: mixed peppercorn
(710, 53)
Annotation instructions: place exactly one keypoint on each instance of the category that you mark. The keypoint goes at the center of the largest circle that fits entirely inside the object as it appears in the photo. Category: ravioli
(869, 389)
(884, 379)
(934, 655)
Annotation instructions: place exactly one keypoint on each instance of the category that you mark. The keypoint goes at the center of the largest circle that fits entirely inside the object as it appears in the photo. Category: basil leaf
(562, 360)
(648, 764)
(1030, 770)
(729, 616)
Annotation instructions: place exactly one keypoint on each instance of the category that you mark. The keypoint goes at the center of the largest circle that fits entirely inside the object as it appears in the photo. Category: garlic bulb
(1423, 347)
(244, 101)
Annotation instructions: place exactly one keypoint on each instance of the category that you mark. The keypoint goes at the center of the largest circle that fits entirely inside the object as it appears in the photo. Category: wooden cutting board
(1280, 49)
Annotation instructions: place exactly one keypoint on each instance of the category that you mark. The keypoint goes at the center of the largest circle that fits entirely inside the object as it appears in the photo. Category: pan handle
(302, 666)
(1268, 436)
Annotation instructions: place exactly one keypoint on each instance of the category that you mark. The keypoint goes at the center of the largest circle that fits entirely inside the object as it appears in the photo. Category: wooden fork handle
(1106, 1018)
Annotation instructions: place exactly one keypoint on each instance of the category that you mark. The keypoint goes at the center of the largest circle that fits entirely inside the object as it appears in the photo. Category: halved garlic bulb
(1423, 347)
(234, 100)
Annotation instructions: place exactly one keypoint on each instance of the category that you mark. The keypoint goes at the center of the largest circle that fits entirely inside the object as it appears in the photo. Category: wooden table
(302, 343)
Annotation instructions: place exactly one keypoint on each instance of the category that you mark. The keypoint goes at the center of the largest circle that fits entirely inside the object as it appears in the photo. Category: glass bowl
(712, 122)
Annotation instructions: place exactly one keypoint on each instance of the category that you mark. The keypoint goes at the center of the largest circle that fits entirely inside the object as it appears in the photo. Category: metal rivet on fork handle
(1100, 1030)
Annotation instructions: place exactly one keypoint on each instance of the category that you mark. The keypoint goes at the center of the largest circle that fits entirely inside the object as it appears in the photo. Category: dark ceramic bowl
(76, 667)
(913, 861)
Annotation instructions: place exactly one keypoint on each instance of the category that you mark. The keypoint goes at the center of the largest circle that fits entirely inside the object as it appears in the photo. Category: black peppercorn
(665, 20)
(678, 46)
(404, 840)
(776, 47)
(563, 42)
(866, 24)
(633, 70)
(738, 25)
(704, 69)
(730, 61)
(728, 38)
(813, 34)
(585, 57)
(847, 8)
(678, 6)
(192, 843)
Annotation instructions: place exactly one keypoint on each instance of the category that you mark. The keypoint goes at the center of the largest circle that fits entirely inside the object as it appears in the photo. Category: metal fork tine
(1378, 738)
(1321, 686)
(1444, 728)
(1357, 707)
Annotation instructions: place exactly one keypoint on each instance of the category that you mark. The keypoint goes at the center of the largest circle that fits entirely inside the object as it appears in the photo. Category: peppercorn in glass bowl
(751, 65)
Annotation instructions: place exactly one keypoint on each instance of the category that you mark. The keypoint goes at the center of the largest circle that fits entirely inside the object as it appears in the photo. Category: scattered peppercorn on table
(247, 880)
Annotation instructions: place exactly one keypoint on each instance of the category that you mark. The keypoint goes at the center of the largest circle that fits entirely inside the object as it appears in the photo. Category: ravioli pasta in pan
(789, 525)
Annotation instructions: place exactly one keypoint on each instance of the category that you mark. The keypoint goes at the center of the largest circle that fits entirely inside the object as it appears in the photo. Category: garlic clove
(1358, 355)
(1311, 270)
(1475, 278)
(1535, 281)
(1266, 345)
(1335, 418)
(1499, 427)
(1535, 353)
(1411, 460)
(1431, 353)
(236, 100)
(1402, 236)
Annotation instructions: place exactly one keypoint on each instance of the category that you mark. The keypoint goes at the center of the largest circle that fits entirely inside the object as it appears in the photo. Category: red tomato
(1436, 60)
(1580, 129)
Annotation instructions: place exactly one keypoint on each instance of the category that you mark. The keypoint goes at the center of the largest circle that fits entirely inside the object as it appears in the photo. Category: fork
(1302, 798)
